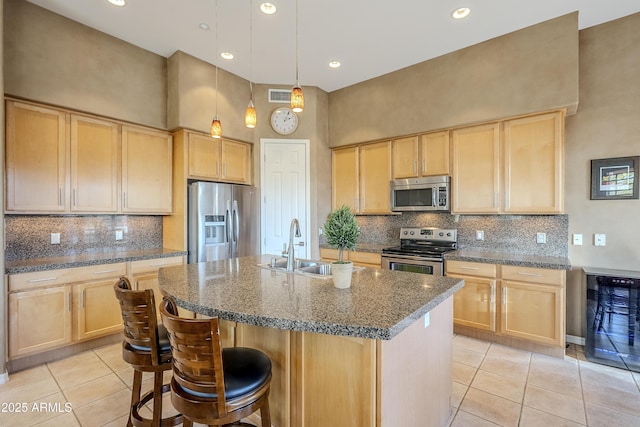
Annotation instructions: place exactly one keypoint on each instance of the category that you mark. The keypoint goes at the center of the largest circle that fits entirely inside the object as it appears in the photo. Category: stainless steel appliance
(421, 250)
(223, 221)
(430, 193)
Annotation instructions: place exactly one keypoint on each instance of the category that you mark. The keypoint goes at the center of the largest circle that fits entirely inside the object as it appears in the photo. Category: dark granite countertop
(379, 304)
(81, 260)
(507, 258)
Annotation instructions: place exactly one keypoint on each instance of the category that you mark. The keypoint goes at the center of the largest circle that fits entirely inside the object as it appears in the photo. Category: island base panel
(415, 372)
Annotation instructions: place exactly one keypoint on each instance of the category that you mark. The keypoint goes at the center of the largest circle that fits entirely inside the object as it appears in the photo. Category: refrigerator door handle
(236, 221)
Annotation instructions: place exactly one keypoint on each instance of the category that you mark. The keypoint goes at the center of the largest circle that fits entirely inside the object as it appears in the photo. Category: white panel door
(285, 194)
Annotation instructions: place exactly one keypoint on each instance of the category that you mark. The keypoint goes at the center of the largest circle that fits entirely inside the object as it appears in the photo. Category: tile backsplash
(29, 236)
(502, 233)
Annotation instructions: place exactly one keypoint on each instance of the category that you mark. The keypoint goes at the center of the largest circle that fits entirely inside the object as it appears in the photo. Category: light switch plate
(541, 238)
(55, 238)
(600, 239)
(479, 235)
(119, 235)
(577, 239)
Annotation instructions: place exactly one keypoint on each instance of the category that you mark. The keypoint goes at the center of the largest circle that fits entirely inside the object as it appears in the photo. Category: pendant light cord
(216, 59)
(251, 48)
(297, 81)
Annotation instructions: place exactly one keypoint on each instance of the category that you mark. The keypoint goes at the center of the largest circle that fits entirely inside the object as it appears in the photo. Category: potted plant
(341, 231)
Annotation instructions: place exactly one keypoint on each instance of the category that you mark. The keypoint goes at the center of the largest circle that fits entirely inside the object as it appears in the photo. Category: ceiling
(369, 37)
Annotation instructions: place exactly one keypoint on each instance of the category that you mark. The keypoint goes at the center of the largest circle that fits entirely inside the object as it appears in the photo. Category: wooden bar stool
(211, 385)
(146, 348)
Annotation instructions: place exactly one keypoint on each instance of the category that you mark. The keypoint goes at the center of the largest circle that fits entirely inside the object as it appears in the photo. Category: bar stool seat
(146, 348)
(211, 385)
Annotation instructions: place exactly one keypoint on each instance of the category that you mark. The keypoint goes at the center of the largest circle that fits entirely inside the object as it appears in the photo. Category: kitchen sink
(301, 266)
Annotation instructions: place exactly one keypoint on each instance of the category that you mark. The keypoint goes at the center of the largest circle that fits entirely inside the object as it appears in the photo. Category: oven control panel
(430, 234)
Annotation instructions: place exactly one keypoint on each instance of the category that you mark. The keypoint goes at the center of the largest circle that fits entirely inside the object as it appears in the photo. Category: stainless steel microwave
(429, 193)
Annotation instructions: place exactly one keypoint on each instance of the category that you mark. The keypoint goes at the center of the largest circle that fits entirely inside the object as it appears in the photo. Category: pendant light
(216, 125)
(250, 116)
(297, 97)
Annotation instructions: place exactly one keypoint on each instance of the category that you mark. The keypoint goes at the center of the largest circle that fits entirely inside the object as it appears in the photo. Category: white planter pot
(342, 275)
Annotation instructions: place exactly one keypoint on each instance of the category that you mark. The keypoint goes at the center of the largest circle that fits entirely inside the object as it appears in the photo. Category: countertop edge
(36, 264)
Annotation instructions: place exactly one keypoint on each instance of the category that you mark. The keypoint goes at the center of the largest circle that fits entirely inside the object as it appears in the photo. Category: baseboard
(572, 339)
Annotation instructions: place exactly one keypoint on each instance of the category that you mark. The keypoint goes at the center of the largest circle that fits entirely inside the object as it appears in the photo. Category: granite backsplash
(502, 233)
(29, 236)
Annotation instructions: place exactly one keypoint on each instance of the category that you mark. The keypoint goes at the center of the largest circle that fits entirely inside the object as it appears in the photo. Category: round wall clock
(284, 120)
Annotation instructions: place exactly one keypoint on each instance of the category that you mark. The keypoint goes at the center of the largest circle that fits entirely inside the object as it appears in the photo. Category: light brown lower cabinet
(54, 308)
(363, 259)
(326, 380)
(510, 302)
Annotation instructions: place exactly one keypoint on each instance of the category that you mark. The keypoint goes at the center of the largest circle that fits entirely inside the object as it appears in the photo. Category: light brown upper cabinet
(534, 164)
(424, 155)
(520, 171)
(36, 160)
(146, 171)
(476, 169)
(219, 159)
(94, 165)
(360, 178)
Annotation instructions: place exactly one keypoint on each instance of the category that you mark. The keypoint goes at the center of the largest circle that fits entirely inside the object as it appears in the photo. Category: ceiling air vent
(280, 95)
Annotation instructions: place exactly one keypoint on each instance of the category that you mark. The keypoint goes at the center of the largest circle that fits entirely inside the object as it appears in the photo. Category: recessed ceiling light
(460, 13)
(268, 8)
(227, 55)
(334, 64)
(117, 2)
(203, 26)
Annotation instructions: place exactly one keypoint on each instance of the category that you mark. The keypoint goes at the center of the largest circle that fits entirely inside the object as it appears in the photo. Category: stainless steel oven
(421, 250)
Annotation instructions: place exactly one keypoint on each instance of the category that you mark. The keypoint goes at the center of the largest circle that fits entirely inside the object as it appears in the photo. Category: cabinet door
(405, 157)
(204, 157)
(434, 154)
(344, 178)
(39, 320)
(532, 312)
(236, 158)
(475, 304)
(146, 171)
(476, 169)
(375, 174)
(98, 310)
(534, 164)
(36, 144)
(94, 165)
(325, 362)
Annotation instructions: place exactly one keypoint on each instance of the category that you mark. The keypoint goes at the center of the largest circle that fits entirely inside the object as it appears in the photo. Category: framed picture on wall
(615, 178)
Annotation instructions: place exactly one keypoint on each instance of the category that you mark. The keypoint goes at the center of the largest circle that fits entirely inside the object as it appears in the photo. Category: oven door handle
(410, 258)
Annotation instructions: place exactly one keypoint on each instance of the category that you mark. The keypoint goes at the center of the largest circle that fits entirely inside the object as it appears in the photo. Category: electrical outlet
(479, 235)
(577, 239)
(600, 239)
(427, 320)
(55, 238)
(119, 235)
(541, 238)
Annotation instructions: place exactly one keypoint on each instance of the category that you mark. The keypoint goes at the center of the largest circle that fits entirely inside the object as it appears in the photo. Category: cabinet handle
(528, 274)
(74, 197)
(217, 168)
(46, 279)
(469, 268)
(103, 271)
(60, 196)
(495, 200)
(224, 168)
(423, 166)
(493, 294)
(504, 295)
(415, 166)
(124, 199)
(507, 201)
(69, 301)
(82, 298)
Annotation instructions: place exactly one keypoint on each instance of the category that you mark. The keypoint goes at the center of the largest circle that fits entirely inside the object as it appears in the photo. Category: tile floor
(493, 385)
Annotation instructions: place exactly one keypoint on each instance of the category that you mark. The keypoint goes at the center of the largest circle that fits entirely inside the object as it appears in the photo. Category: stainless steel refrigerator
(223, 221)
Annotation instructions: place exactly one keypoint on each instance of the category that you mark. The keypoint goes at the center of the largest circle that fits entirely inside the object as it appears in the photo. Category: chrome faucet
(295, 225)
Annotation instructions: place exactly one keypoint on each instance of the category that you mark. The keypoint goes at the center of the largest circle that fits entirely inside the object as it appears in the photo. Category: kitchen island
(376, 354)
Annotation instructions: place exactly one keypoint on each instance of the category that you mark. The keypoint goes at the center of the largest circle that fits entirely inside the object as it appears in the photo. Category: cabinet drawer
(48, 278)
(331, 254)
(471, 268)
(152, 265)
(533, 275)
(366, 258)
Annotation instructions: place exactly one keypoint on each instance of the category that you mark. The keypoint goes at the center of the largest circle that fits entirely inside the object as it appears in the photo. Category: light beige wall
(54, 60)
(3, 284)
(530, 70)
(606, 125)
